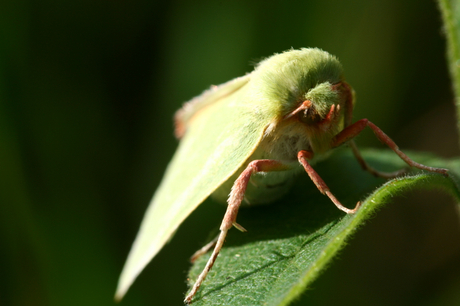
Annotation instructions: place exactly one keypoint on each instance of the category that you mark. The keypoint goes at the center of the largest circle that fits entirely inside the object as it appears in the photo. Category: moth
(246, 140)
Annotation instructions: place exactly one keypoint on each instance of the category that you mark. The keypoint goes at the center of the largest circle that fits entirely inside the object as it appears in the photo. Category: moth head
(320, 106)
(322, 98)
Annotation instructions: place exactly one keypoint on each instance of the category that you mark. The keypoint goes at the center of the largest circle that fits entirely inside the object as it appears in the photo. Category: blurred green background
(87, 94)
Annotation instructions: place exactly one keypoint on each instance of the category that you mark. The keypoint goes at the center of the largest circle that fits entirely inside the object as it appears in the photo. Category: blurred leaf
(450, 10)
(288, 245)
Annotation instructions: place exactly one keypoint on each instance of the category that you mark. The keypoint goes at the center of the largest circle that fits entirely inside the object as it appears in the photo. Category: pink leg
(203, 250)
(364, 165)
(353, 130)
(234, 201)
(348, 122)
(303, 157)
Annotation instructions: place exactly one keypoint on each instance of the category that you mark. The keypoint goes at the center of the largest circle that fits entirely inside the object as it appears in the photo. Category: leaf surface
(289, 243)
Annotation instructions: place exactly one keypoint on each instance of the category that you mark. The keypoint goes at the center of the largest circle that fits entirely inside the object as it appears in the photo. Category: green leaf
(288, 244)
(450, 11)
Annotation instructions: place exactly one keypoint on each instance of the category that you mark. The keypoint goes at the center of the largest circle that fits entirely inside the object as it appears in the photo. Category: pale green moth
(292, 110)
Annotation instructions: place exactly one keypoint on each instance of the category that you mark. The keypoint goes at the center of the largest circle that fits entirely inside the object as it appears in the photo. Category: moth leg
(234, 201)
(365, 166)
(303, 157)
(204, 250)
(348, 93)
(354, 129)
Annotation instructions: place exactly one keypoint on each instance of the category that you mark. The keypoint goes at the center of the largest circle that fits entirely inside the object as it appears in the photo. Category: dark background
(87, 94)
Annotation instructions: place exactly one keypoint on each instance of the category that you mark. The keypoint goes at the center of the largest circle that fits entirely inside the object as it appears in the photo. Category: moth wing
(183, 116)
(218, 140)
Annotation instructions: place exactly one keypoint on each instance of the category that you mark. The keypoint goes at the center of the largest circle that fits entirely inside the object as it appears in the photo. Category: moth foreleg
(234, 201)
(365, 166)
(356, 128)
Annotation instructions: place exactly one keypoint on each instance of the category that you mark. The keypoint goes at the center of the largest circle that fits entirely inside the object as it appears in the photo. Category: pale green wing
(219, 138)
(215, 93)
